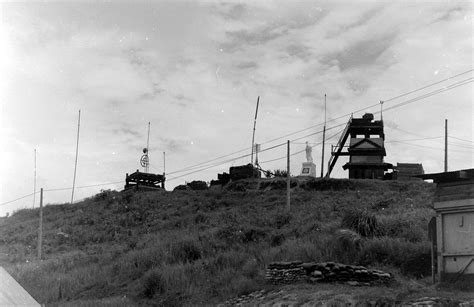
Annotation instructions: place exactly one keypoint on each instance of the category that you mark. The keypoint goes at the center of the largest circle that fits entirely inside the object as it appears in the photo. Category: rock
(316, 274)
(353, 283)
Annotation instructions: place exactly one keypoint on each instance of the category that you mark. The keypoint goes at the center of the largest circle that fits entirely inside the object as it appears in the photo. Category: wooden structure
(144, 181)
(244, 172)
(366, 149)
(12, 293)
(454, 206)
(407, 171)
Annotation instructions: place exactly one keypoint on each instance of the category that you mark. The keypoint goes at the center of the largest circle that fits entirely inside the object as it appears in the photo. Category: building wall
(455, 227)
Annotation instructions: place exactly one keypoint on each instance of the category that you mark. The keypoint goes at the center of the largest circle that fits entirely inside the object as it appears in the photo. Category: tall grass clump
(363, 222)
(412, 258)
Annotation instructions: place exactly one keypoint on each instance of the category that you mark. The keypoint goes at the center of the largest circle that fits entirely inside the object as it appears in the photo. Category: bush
(280, 173)
(362, 222)
(412, 258)
(185, 251)
(153, 283)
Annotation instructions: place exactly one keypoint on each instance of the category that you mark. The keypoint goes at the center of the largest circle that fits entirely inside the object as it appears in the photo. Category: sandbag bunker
(297, 271)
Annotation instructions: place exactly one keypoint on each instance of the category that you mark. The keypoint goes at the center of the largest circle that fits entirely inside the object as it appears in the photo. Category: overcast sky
(195, 69)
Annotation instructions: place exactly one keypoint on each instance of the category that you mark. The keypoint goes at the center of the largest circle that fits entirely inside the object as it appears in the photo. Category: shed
(408, 171)
(12, 293)
(454, 206)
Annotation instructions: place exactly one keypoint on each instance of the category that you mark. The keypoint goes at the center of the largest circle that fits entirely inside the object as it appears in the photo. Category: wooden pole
(77, 150)
(40, 231)
(288, 178)
(324, 138)
(445, 145)
(253, 134)
(34, 183)
(164, 169)
(147, 150)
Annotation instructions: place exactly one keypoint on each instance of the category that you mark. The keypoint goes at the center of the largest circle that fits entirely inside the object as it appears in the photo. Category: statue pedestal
(308, 169)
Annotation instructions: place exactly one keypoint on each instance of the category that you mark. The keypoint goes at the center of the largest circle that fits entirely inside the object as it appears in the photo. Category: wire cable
(452, 137)
(17, 199)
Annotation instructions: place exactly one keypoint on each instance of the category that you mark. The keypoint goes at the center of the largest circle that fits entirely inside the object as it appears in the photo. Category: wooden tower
(366, 149)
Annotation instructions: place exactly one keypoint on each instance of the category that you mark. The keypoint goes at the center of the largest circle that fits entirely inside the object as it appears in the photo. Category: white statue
(309, 150)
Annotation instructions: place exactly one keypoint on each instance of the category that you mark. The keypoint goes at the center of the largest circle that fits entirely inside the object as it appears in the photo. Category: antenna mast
(381, 110)
(77, 150)
(34, 183)
(147, 164)
(324, 138)
(253, 135)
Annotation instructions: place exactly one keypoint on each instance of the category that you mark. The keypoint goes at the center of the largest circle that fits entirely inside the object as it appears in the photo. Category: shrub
(277, 239)
(362, 222)
(280, 173)
(282, 220)
(412, 258)
(185, 251)
(153, 283)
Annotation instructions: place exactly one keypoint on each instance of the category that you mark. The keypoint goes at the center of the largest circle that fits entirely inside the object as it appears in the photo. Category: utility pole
(288, 178)
(147, 150)
(253, 135)
(77, 150)
(40, 232)
(324, 138)
(164, 169)
(34, 183)
(445, 145)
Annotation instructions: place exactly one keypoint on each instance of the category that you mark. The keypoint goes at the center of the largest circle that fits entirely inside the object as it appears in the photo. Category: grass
(203, 247)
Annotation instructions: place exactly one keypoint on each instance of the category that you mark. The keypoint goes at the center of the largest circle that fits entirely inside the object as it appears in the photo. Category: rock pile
(285, 272)
(297, 271)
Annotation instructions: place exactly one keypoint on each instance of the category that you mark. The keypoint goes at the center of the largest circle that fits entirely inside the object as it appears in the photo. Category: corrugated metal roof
(12, 293)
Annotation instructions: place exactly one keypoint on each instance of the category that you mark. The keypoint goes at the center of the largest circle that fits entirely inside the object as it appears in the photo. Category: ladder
(338, 148)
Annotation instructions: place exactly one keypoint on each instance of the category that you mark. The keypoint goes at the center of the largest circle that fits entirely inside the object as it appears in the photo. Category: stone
(353, 283)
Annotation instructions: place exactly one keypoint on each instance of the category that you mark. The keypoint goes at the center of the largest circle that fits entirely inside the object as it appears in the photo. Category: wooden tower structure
(366, 149)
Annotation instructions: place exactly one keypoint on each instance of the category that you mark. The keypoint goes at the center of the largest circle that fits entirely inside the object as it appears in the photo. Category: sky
(194, 70)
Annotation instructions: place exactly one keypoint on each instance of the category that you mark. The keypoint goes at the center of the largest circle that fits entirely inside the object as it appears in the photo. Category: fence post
(40, 232)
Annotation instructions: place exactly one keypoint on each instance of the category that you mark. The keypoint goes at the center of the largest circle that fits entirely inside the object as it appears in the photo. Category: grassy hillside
(195, 247)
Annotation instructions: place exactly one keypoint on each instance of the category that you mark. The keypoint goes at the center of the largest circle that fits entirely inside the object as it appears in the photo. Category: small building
(454, 206)
(144, 181)
(407, 171)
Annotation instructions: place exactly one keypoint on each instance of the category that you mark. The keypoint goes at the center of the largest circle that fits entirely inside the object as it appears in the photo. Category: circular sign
(144, 160)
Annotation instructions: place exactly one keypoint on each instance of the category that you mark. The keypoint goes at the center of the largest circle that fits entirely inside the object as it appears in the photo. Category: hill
(197, 247)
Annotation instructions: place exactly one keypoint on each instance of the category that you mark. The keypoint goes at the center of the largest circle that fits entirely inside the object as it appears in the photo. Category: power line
(470, 141)
(430, 147)
(20, 198)
(272, 160)
(60, 189)
(448, 88)
(429, 85)
(421, 139)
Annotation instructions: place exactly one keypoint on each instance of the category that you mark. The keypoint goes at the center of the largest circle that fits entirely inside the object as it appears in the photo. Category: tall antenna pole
(77, 150)
(147, 150)
(324, 138)
(164, 170)
(34, 183)
(40, 230)
(445, 145)
(253, 135)
(381, 110)
(288, 185)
